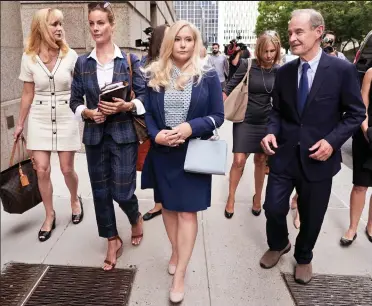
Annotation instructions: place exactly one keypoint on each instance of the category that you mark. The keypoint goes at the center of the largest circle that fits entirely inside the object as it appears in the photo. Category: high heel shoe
(368, 235)
(45, 235)
(255, 212)
(228, 215)
(119, 252)
(76, 219)
(346, 242)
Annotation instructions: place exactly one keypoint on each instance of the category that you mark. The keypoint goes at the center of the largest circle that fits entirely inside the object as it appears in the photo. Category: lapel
(117, 68)
(318, 80)
(92, 68)
(195, 95)
(294, 85)
(160, 103)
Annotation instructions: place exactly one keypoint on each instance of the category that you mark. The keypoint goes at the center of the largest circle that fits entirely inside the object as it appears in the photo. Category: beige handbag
(236, 103)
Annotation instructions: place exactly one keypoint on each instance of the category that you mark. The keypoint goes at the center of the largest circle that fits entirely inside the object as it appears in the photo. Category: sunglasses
(102, 5)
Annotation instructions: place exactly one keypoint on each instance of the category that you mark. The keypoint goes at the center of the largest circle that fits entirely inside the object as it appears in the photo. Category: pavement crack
(206, 260)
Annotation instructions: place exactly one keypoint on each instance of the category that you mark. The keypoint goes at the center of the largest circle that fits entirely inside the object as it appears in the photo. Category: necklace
(263, 79)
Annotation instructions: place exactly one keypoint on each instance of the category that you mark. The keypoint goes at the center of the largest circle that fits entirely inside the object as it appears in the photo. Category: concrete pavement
(224, 268)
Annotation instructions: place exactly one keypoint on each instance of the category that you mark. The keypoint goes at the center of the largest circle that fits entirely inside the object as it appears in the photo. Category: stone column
(11, 87)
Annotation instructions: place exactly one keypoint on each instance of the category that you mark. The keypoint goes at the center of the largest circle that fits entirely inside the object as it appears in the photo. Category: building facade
(204, 14)
(132, 17)
(237, 18)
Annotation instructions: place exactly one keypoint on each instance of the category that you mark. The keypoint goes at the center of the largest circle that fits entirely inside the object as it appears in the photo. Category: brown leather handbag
(236, 103)
(19, 189)
(140, 128)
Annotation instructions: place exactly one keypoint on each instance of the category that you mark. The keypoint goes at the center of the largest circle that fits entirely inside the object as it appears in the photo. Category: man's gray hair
(316, 18)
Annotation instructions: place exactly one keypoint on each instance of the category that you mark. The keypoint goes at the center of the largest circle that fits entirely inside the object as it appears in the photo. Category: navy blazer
(334, 111)
(85, 83)
(206, 100)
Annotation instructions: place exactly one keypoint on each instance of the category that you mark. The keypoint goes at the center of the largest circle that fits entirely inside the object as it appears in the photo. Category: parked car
(363, 58)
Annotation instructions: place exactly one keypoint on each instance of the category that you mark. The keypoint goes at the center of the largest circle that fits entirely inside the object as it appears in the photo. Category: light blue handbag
(207, 156)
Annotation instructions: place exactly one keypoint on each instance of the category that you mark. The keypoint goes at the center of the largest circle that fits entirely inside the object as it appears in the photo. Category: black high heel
(45, 235)
(76, 219)
(255, 212)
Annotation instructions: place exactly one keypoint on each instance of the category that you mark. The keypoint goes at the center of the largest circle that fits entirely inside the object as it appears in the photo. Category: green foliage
(348, 19)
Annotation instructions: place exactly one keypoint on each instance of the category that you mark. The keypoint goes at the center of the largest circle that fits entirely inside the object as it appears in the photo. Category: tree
(349, 20)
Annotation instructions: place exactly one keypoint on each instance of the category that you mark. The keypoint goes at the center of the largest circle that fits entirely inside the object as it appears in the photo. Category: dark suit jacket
(85, 82)
(206, 100)
(334, 111)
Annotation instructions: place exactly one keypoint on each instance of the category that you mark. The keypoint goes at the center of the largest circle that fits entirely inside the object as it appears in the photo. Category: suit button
(41, 102)
(52, 93)
(54, 132)
(302, 125)
(51, 77)
(53, 107)
(298, 143)
(54, 120)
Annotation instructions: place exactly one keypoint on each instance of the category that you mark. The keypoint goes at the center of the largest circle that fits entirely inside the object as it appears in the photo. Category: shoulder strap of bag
(132, 94)
(246, 77)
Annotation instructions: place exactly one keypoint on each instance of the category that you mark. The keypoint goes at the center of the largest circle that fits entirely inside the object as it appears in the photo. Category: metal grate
(331, 290)
(66, 285)
(16, 282)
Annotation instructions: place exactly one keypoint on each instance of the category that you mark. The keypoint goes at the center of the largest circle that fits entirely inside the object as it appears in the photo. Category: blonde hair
(262, 41)
(40, 33)
(159, 71)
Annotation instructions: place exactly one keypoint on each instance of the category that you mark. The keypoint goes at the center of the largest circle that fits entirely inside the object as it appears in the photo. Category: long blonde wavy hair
(40, 33)
(159, 71)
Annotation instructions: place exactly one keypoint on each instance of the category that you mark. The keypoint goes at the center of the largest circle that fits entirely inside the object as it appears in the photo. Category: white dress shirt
(105, 74)
(312, 70)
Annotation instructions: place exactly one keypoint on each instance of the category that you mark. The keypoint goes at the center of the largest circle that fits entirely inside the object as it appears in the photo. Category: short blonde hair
(262, 41)
(40, 33)
(159, 71)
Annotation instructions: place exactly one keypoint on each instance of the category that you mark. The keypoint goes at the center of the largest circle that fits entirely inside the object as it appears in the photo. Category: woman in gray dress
(247, 135)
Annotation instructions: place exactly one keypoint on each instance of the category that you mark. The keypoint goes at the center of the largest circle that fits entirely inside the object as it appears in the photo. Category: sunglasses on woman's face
(103, 5)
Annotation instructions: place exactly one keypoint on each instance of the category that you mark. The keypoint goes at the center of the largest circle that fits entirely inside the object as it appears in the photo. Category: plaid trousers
(112, 172)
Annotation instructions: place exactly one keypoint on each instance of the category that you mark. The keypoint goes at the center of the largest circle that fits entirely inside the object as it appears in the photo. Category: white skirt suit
(51, 123)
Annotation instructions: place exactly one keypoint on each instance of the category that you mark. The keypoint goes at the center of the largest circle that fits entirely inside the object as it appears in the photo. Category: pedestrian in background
(46, 70)
(362, 168)
(181, 99)
(317, 106)
(156, 40)
(219, 62)
(109, 136)
(247, 135)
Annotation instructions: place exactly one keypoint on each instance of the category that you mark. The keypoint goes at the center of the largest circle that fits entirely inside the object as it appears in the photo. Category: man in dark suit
(317, 106)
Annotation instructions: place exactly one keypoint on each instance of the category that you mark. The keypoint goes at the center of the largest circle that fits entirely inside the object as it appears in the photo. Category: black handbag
(19, 189)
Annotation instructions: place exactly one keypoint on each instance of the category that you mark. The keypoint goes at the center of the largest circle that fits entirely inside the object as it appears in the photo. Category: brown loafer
(271, 258)
(303, 273)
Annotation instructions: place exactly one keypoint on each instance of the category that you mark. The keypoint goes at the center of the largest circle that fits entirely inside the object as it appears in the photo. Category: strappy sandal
(119, 252)
(140, 236)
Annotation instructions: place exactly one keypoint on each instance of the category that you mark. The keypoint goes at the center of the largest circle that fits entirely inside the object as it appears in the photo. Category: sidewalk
(224, 269)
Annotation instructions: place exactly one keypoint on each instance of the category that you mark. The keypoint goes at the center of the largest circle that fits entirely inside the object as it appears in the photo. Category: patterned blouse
(176, 102)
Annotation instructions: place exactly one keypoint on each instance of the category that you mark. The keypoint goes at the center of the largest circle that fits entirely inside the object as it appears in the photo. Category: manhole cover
(331, 290)
(67, 285)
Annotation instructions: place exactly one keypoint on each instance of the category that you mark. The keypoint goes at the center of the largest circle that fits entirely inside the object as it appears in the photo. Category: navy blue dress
(163, 168)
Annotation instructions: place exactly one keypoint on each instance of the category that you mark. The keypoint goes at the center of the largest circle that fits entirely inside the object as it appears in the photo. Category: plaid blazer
(85, 83)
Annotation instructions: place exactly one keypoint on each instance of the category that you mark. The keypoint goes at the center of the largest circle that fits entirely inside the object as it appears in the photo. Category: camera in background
(145, 44)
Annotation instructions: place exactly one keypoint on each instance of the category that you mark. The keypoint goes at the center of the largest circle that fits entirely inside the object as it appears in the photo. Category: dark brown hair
(262, 41)
(103, 7)
(156, 40)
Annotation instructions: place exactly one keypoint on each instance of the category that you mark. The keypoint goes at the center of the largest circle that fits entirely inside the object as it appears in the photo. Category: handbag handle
(132, 94)
(215, 136)
(247, 73)
(17, 144)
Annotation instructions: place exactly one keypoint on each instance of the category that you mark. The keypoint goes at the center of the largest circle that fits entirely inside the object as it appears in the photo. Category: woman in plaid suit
(109, 136)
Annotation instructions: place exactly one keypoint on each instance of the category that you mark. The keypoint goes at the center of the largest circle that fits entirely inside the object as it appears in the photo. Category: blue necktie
(303, 90)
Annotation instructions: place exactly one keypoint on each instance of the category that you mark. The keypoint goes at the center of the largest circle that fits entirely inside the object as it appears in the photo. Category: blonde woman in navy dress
(181, 97)
(46, 70)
